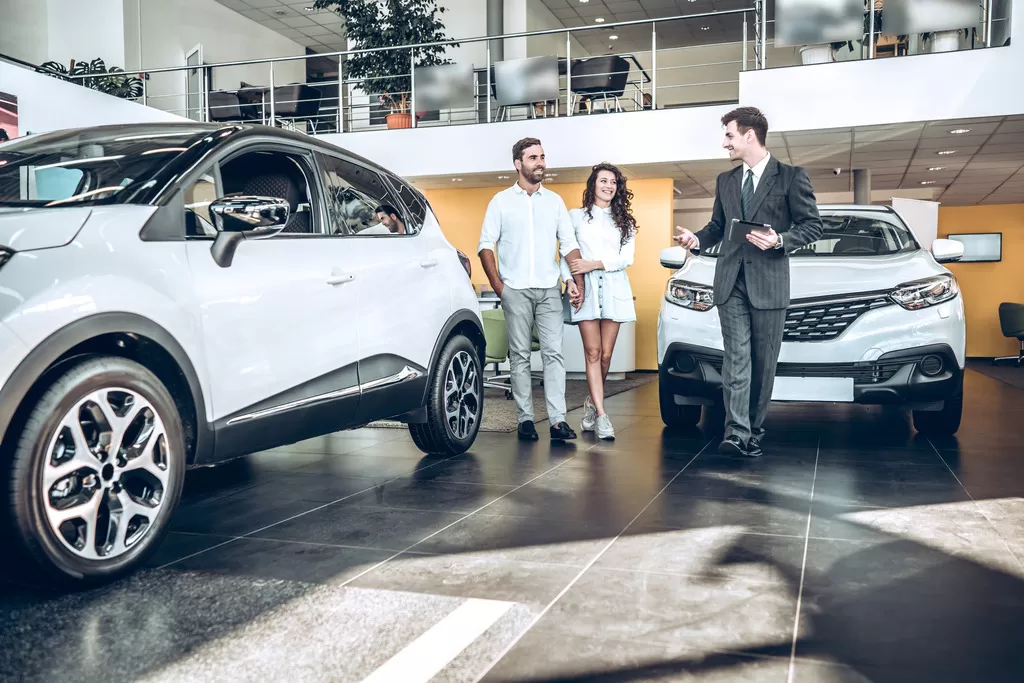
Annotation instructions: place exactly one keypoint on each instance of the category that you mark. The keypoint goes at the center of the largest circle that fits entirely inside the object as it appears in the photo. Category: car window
(362, 202)
(198, 197)
(412, 200)
(278, 175)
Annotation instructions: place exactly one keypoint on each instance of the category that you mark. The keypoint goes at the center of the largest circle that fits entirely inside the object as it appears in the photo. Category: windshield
(854, 234)
(86, 167)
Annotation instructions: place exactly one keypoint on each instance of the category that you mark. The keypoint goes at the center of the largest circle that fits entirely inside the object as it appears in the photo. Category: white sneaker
(605, 430)
(589, 416)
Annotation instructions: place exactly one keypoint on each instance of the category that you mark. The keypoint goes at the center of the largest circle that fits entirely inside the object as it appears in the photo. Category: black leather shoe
(562, 432)
(732, 445)
(754, 447)
(527, 432)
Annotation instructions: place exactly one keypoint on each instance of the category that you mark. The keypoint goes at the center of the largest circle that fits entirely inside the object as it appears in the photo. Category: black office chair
(1011, 320)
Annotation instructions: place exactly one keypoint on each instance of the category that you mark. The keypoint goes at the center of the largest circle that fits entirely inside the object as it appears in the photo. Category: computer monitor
(980, 247)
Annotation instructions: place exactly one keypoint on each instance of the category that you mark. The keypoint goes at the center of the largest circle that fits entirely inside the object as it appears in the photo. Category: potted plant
(118, 83)
(390, 23)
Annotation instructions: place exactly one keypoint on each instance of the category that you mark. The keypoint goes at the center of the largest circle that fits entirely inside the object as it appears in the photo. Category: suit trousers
(523, 308)
(752, 339)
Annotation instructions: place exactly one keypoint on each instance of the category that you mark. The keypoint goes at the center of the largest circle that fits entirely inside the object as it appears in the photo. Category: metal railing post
(204, 104)
(145, 89)
(988, 23)
(654, 66)
(568, 74)
(488, 92)
(744, 68)
(764, 35)
(273, 113)
(871, 31)
(412, 85)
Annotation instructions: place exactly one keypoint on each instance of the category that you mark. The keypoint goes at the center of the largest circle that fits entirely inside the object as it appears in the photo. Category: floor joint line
(803, 568)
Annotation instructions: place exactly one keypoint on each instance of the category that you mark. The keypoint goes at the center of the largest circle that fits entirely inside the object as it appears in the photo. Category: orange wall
(986, 285)
(461, 213)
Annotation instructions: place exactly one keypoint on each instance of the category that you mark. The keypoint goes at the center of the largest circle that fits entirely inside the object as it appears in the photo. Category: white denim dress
(608, 295)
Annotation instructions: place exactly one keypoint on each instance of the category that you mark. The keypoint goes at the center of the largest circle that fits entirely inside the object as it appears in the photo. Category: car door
(277, 323)
(404, 298)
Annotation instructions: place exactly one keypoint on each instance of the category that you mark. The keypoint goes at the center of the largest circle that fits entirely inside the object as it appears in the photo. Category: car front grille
(825, 320)
(869, 372)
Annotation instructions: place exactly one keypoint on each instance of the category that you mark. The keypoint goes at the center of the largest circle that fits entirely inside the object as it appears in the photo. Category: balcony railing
(663, 73)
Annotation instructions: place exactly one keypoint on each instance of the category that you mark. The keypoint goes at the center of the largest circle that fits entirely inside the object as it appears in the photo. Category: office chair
(496, 339)
(1011, 320)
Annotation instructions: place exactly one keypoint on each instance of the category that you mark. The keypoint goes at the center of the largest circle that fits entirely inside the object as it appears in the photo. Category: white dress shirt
(608, 294)
(528, 230)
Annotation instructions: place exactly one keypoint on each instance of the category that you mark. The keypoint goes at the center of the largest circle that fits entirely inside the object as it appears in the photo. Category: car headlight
(924, 293)
(689, 295)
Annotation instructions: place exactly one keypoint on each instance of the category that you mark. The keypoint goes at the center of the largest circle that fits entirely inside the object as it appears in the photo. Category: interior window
(198, 197)
(277, 175)
(362, 202)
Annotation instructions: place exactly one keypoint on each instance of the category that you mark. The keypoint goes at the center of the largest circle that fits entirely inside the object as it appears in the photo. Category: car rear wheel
(945, 422)
(455, 402)
(96, 473)
(674, 415)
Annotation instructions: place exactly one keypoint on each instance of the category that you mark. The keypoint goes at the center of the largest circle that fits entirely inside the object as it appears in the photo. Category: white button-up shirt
(758, 171)
(528, 231)
(601, 240)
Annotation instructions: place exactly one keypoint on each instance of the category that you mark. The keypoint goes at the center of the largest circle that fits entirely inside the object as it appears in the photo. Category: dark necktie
(748, 193)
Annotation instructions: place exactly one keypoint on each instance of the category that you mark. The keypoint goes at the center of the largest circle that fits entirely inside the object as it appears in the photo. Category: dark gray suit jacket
(784, 199)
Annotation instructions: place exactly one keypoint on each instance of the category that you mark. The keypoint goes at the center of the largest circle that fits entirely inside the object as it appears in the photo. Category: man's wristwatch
(778, 242)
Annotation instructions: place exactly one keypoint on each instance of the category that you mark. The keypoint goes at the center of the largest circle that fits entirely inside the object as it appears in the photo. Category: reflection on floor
(855, 550)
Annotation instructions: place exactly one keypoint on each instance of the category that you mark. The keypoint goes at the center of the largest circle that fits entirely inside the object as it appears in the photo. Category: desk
(623, 358)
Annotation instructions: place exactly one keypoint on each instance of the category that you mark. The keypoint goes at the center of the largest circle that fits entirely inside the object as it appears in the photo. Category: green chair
(496, 337)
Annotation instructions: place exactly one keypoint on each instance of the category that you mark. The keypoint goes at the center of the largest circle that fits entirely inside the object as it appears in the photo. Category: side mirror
(673, 257)
(946, 251)
(240, 217)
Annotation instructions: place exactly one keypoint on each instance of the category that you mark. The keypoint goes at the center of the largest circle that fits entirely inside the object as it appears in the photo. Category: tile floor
(855, 550)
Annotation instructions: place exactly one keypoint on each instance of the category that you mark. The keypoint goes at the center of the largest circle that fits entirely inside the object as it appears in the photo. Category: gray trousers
(752, 339)
(523, 308)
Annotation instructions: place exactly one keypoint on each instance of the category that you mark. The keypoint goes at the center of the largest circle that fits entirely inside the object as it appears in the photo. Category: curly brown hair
(622, 211)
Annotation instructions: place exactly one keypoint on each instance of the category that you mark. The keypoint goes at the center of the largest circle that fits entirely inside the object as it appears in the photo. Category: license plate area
(813, 389)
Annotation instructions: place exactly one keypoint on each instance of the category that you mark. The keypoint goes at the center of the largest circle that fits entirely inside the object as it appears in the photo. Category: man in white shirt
(529, 224)
(751, 286)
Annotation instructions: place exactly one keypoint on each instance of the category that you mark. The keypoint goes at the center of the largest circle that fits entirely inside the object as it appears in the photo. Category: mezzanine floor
(855, 550)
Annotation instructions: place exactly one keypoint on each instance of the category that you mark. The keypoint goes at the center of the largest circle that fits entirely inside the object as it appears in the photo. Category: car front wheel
(455, 404)
(96, 472)
(945, 422)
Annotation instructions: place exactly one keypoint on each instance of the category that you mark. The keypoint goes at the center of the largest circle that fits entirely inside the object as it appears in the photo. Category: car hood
(814, 276)
(28, 229)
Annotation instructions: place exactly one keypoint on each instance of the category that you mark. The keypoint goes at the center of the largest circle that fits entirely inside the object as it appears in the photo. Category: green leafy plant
(117, 83)
(389, 23)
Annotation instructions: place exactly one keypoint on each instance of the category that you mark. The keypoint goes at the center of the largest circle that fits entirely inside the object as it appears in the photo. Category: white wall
(466, 19)
(86, 30)
(24, 30)
(46, 103)
(169, 30)
(540, 18)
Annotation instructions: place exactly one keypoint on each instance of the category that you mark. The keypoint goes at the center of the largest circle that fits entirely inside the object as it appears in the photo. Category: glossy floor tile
(854, 550)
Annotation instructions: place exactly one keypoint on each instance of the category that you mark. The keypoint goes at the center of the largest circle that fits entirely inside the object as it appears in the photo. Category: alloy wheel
(105, 474)
(462, 395)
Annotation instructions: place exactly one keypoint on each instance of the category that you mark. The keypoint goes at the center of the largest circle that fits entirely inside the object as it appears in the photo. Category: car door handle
(340, 279)
(429, 263)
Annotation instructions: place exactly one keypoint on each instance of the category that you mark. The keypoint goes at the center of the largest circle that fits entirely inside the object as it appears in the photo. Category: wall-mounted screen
(981, 247)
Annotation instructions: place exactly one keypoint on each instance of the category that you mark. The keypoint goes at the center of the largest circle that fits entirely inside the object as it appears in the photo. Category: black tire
(676, 416)
(945, 422)
(41, 554)
(437, 436)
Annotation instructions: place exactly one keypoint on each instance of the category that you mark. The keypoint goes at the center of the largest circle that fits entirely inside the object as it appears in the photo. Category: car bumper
(916, 377)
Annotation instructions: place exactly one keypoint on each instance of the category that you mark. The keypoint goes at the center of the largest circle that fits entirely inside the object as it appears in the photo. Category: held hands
(575, 295)
(763, 240)
(685, 238)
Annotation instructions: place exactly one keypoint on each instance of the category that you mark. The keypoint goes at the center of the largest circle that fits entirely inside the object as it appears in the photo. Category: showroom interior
(311, 518)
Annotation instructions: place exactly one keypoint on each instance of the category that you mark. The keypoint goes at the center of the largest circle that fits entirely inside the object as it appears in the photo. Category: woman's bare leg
(590, 331)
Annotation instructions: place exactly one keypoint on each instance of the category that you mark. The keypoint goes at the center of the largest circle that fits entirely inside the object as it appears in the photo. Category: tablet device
(738, 230)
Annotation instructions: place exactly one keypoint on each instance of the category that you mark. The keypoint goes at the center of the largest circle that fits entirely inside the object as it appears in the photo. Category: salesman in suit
(751, 285)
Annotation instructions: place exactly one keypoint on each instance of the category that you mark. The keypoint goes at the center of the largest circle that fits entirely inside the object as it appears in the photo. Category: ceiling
(318, 30)
(709, 30)
(986, 168)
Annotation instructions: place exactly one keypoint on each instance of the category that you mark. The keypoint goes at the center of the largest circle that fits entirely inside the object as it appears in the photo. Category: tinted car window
(84, 167)
(356, 194)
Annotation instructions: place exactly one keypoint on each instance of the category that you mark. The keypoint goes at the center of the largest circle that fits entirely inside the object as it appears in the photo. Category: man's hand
(499, 289)
(575, 296)
(582, 266)
(763, 240)
(685, 238)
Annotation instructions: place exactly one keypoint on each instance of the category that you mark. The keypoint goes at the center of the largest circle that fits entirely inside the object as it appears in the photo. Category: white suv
(873, 319)
(177, 295)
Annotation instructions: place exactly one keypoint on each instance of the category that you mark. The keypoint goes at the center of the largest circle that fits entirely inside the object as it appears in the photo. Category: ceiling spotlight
(937, 168)
(705, 28)
(613, 37)
(927, 182)
(599, 20)
(583, 2)
(456, 180)
(309, 9)
(503, 177)
(959, 131)
(947, 152)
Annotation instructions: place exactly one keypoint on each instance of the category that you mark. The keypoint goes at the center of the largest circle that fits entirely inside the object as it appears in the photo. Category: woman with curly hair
(605, 229)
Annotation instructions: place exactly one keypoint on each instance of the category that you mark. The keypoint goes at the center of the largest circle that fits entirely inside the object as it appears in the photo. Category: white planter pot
(946, 41)
(816, 54)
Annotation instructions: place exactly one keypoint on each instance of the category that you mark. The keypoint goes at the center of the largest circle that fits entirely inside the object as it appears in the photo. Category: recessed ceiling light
(503, 177)
(947, 152)
(613, 37)
(583, 2)
(705, 28)
(959, 131)
(280, 13)
(927, 182)
(937, 168)
(599, 20)
(456, 180)
(309, 9)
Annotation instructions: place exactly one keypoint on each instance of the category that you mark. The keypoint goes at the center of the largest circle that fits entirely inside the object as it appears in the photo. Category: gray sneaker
(589, 416)
(605, 430)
